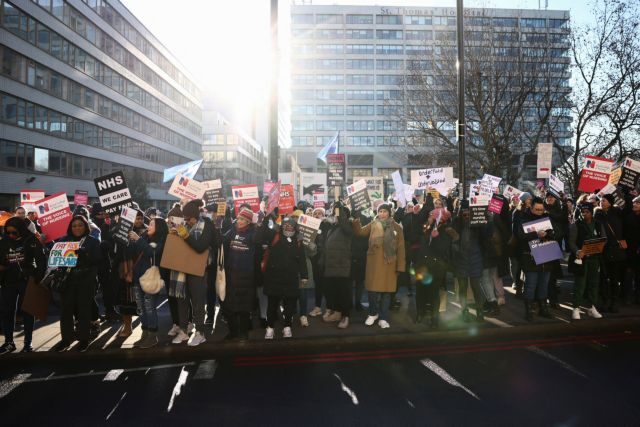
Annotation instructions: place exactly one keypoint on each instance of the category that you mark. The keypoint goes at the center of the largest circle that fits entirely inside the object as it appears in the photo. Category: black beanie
(192, 209)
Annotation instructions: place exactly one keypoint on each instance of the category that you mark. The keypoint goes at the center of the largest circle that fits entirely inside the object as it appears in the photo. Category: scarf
(177, 284)
(383, 235)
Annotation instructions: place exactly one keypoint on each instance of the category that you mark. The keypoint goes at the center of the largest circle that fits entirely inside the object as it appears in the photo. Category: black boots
(528, 310)
(544, 310)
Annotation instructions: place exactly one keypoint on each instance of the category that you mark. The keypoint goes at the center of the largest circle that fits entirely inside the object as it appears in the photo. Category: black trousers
(430, 278)
(290, 305)
(339, 294)
(612, 277)
(12, 297)
(78, 298)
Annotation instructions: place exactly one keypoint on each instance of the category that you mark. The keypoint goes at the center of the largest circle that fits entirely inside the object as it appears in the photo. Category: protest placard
(30, 197)
(212, 192)
(336, 169)
(81, 197)
(319, 199)
(309, 227)
(593, 246)
(272, 191)
(545, 157)
(125, 224)
(630, 173)
(510, 192)
(246, 194)
(542, 224)
(478, 207)
(359, 195)
(63, 254)
(496, 203)
(494, 181)
(439, 178)
(616, 192)
(556, 184)
(398, 185)
(595, 174)
(544, 252)
(375, 187)
(287, 199)
(184, 187)
(54, 216)
(113, 192)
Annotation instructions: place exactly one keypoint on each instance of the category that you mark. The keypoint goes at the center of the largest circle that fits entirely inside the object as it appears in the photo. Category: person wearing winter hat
(585, 268)
(191, 290)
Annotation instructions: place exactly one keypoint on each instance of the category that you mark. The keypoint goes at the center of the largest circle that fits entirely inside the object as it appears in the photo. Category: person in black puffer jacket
(285, 268)
(21, 257)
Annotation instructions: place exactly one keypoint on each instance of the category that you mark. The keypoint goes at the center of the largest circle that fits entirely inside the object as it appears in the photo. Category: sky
(225, 44)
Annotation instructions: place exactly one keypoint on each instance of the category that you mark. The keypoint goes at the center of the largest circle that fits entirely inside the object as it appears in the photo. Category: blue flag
(188, 169)
(330, 148)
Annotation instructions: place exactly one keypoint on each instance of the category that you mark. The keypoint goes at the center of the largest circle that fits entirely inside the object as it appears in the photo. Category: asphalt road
(538, 376)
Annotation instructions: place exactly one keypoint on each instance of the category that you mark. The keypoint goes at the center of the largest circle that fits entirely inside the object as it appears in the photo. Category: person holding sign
(385, 259)
(78, 286)
(585, 267)
(21, 258)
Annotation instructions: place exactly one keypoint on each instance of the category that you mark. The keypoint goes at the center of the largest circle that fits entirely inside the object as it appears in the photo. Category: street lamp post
(461, 131)
(273, 114)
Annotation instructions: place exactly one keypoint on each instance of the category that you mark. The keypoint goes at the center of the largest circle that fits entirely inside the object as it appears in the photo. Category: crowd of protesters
(272, 274)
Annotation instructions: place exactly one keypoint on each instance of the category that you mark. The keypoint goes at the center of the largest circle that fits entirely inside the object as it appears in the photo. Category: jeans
(196, 298)
(305, 294)
(147, 309)
(12, 296)
(492, 284)
(379, 304)
(536, 284)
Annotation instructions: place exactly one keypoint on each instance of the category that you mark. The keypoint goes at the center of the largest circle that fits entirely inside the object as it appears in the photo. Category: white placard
(186, 188)
(356, 186)
(608, 189)
(214, 184)
(510, 192)
(545, 157)
(556, 184)
(480, 200)
(439, 178)
(494, 181)
(129, 214)
(399, 186)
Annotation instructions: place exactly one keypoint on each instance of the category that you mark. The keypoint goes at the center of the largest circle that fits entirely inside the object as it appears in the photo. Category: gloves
(182, 231)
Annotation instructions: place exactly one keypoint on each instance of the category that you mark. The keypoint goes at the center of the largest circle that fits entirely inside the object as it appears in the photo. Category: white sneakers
(344, 323)
(594, 313)
(575, 314)
(371, 320)
(268, 335)
(174, 330)
(304, 321)
(383, 324)
(190, 328)
(286, 332)
(196, 339)
(317, 311)
(180, 337)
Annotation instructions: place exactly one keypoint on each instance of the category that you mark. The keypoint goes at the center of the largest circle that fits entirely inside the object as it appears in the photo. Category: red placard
(595, 174)
(54, 216)
(81, 197)
(287, 201)
(496, 203)
(273, 195)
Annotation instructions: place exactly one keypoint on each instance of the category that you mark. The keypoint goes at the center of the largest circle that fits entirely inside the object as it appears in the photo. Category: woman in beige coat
(385, 258)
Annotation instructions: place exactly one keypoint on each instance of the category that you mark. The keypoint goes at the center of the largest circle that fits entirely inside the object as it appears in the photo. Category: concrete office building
(87, 90)
(347, 60)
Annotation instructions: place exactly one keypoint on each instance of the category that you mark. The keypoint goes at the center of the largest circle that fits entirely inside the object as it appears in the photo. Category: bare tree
(605, 99)
(514, 99)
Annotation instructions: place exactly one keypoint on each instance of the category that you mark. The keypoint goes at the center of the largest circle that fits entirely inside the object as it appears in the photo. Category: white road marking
(50, 375)
(112, 375)
(411, 404)
(347, 390)
(8, 386)
(436, 369)
(562, 363)
(116, 407)
(206, 370)
(182, 379)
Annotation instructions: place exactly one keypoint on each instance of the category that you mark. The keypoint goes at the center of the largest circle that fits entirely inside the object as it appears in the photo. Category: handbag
(221, 278)
(126, 269)
(151, 282)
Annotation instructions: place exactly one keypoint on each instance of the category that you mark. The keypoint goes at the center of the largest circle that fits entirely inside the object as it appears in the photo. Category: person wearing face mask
(587, 270)
(385, 259)
(536, 276)
(78, 287)
(241, 244)
(284, 269)
(191, 290)
(21, 257)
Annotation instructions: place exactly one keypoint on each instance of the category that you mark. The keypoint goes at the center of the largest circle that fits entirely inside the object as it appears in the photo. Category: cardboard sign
(81, 197)
(542, 224)
(336, 167)
(30, 197)
(54, 216)
(375, 187)
(184, 187)
(273, 195)
(496, 203)
(593, 246)
(179, 256)
(616, 174)
(595, 174)
(63, 254)
(630, 173)
(511, 192)
(478, 211)
(287, 199)
(493, 181)
(399, 187)
(309, 227)
(125, 224)
(359, 195)
(212, 192)
(246, 194)
(113, 192)
(555, 184)
(544, 252)
(439, 178)
(319, 200)
(545, 157)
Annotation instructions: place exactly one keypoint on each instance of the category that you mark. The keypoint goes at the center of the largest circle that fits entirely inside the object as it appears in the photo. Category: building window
(328, 19)
(329, 64)
(389, 34)
(358, 34)
(302, 110)
(533, 22)
(359, 141)
(360, 125)
(329, 110)
(360, 110)
(329, 94)
(359, 19)
(418, 35)
(358, 49)
(332, 125)
(558, 23)
(359, 79)
(389, 79)
(360, 94)
(328, 49)
(302, 18)
(356, 173)
(329, 34)
(330, 79)
(302, 141)
(390, 49)
(505, 22)
(417, 20)
(389, 19)
(358, 64)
